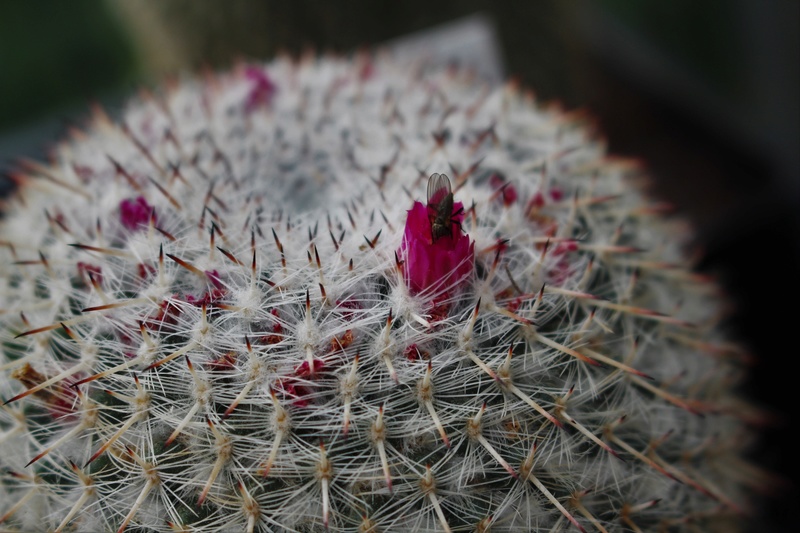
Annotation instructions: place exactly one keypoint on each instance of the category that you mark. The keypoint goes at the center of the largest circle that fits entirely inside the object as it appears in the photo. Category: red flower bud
(134, 212)
(440, 263)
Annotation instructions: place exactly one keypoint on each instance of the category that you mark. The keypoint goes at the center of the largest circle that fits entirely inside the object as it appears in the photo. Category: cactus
(251, 305)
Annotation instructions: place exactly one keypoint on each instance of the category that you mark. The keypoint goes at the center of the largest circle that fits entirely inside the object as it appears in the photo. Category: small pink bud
(347, 308)
(413, 353)
(565, 247)
(214, 277)
(145, 271)
(165, 318)
(135, 212)
(536, 202)
(298, 387)
(509, 192)
(262, 91)
(210, 298)
(304, 370)
(84, 269)
(367, 71)
(277, 330)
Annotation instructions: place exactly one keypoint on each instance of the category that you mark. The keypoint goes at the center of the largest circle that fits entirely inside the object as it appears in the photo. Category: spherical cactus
(356, 295)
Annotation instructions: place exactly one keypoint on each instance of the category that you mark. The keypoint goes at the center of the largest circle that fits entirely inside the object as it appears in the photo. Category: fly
(440, 201)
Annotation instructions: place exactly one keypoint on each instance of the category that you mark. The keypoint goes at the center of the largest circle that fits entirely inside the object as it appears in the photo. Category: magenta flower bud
(507, 191)
(438, 264)
(134, 212)
(262, 91)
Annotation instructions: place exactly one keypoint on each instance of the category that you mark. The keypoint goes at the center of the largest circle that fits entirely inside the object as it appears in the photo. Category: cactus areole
(292, 297)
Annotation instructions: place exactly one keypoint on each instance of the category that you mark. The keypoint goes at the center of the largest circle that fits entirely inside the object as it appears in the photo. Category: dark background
(704, 92)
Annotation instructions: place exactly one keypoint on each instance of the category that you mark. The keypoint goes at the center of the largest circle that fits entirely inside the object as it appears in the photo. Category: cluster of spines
(318, 387)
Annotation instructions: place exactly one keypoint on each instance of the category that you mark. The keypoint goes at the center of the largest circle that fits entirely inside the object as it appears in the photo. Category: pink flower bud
(134, 212)
(262, 90)
(507, 191)
(438, 264)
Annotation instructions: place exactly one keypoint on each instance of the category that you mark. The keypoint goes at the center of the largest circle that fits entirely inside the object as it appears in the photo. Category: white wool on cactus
(242, 307)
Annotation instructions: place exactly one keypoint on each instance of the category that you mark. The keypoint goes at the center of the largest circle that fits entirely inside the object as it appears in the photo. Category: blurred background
(705, 93)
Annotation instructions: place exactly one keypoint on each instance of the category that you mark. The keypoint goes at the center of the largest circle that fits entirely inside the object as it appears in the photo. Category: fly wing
(438, 187)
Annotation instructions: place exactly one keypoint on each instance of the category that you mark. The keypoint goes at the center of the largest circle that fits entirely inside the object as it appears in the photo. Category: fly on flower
(429, 260)
(440, 205)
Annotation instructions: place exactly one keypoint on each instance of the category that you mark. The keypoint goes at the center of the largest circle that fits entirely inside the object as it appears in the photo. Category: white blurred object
(470, 41)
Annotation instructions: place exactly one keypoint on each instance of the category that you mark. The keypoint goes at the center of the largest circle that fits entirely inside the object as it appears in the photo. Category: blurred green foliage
(55, 53)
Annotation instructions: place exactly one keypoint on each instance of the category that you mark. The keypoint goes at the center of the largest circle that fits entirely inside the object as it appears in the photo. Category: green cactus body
(219, 314)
